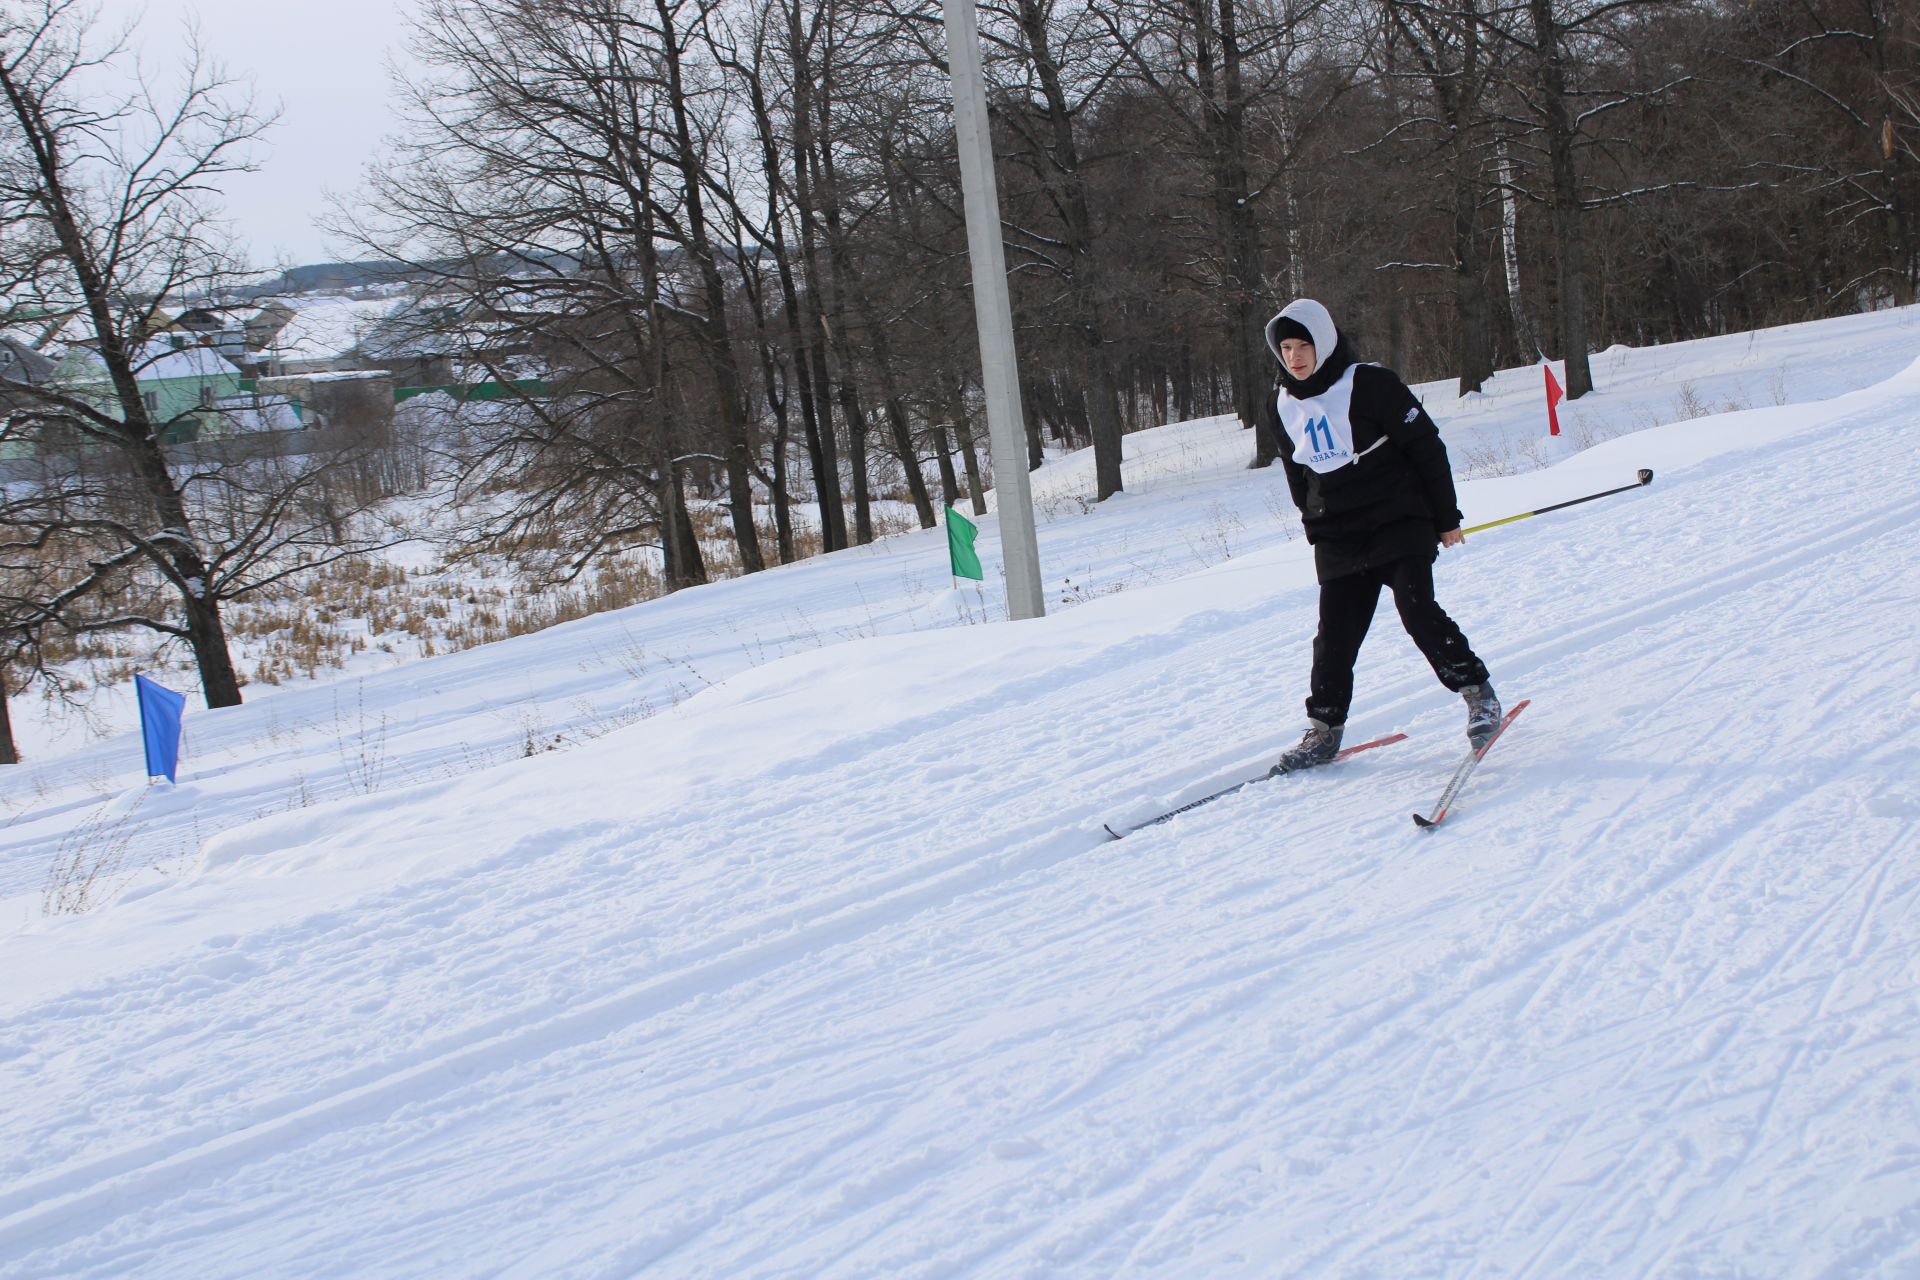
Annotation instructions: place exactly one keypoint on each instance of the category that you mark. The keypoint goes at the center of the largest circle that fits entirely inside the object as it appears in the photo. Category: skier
(1369, 473)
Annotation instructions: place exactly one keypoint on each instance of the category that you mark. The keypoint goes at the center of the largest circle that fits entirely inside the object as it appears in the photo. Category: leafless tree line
(725, 235)
(742, 217)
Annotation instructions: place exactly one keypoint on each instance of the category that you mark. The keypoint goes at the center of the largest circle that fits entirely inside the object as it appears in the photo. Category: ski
(1464, 769)
(1275, 772)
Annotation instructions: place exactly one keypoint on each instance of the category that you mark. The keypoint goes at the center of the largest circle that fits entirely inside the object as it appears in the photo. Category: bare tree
(753, 59)
(657, 46)
(108, 206)
(1217, 68)
(564, 178)
(1450, 49)
(1856, 65)
(1066, 60)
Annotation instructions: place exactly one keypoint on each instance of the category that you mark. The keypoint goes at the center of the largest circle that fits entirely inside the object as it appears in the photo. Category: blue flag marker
(160, 726)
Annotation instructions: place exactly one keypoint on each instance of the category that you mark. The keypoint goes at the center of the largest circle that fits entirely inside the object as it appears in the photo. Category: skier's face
(1297, 355)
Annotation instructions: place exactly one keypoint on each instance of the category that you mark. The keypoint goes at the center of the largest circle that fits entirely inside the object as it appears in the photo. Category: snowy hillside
(769, 929)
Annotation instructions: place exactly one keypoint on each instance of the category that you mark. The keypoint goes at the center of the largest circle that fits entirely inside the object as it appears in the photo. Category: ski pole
(1646, 478)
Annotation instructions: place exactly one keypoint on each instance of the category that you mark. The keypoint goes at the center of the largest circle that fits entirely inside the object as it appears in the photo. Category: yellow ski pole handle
(1645, 478)
(1495, 524)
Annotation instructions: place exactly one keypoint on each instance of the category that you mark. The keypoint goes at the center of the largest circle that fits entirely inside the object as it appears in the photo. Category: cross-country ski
(1119, 829)
(1464, 770)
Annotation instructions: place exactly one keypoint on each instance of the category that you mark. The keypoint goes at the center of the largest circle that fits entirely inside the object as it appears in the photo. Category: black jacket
(1391, 504)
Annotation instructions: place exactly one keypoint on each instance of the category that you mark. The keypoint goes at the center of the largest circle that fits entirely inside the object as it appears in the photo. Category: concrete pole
(993, 314)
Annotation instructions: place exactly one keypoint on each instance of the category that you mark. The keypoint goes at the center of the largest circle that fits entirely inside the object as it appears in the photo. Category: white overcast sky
(324, 62)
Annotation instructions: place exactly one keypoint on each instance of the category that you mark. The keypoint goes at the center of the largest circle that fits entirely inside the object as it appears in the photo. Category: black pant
(1346, 611)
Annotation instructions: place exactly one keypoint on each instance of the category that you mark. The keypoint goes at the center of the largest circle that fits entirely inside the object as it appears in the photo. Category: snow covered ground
(769, 930)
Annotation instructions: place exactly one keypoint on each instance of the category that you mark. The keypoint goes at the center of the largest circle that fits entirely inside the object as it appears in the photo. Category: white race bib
(1321, 427)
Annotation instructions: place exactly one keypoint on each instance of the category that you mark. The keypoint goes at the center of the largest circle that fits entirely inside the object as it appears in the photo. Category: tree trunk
(1510, 259)
(782, 504)
(850, 293)
(1894, 160)
(1217, 66)
(1472, 316)
(207, 635)
(714, 332)
(1570, 250)
(812, 345)
(823, 453)
(969, 454)
(811, 332)
(681, 563)
(1087, 293)
(822, 456)
(686, 567)
(943, 450)
(856, 417)
(902, 431)
(9, 754)
(189, 573)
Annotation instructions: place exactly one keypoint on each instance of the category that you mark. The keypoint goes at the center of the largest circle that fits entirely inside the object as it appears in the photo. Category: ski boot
(1319, 746)
(1483, 714)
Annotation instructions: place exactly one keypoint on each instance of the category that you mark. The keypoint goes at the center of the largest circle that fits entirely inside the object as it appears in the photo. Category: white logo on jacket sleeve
(1413, 413)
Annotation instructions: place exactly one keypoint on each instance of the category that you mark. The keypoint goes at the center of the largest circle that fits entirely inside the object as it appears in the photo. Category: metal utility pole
(993, 314)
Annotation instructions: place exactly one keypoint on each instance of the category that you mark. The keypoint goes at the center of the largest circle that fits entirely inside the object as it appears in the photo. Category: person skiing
(1369, 472)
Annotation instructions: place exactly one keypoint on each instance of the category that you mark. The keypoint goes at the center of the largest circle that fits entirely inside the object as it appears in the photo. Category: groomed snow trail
(867, 994)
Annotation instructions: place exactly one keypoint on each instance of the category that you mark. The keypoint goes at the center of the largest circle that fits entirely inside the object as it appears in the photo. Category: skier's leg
(1446, 649)
(1346, 611)
(1437, 635)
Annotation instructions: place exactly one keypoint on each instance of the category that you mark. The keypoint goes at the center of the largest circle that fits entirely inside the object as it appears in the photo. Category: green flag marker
(960, 535)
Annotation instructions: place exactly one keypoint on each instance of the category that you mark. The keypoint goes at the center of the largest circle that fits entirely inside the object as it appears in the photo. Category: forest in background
(739, 223)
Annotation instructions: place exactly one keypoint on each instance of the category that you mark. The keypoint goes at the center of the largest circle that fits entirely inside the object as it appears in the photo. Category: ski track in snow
(887, 1003)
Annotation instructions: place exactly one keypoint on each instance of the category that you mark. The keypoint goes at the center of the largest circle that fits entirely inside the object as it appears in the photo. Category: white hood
(1317, 321)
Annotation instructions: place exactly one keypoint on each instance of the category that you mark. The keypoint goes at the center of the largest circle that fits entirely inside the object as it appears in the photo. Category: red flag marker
(1554, 396)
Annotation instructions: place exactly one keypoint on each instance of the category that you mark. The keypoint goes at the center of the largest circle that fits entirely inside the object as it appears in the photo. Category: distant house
(191, 392)
(458, 346)
(241, 333)
(420, 342)
(183, 387)
(423, 340)
(265, 325)
(326, 335)
(23, 366)
(356, 403)
(306, 362)
(224, 329)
